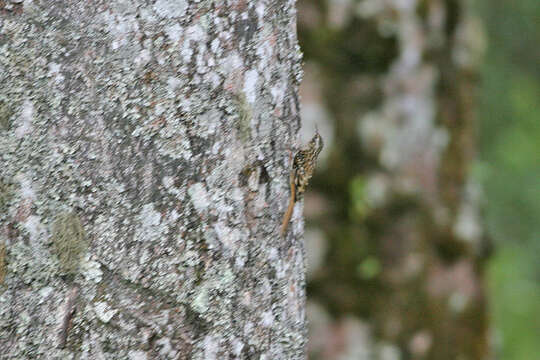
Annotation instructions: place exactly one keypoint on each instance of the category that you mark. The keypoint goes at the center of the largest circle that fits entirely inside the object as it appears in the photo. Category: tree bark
(402, 274)
(145, 151)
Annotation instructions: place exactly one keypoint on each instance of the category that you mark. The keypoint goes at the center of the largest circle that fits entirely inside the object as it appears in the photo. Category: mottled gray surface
(149, 140)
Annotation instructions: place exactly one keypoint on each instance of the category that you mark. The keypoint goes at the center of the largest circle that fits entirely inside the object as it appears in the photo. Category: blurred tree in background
(397, 255)
(397, 249)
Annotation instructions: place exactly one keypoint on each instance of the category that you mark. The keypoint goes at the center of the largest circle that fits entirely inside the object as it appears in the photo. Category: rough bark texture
(144, 150)
(400, 275)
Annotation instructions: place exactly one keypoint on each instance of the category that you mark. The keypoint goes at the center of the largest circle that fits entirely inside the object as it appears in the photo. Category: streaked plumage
(303, 167)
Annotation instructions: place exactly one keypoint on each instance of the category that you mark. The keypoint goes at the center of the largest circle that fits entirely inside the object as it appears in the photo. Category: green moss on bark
(68, 239)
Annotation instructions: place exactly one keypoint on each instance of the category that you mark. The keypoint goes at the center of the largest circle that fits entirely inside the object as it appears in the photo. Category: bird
(302, 170)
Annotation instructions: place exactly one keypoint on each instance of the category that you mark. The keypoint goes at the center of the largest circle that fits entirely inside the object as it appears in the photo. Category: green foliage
(69, 242)
(369, 268)
(516, 295)
(359, 207)
(510, 150)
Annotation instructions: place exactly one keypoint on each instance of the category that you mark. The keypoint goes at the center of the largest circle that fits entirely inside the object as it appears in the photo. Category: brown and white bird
(304, 164)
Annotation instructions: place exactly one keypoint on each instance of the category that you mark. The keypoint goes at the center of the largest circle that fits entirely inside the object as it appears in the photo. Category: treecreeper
(303, 166)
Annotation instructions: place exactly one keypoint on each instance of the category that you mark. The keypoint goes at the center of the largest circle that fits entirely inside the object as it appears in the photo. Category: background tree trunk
(400, 274)
(144, 152)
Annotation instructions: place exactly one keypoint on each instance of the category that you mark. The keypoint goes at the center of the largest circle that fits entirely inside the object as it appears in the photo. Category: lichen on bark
(127, 115)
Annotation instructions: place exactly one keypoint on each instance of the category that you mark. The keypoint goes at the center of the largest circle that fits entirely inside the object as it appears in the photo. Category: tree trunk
(401, 277)
(145, 151)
